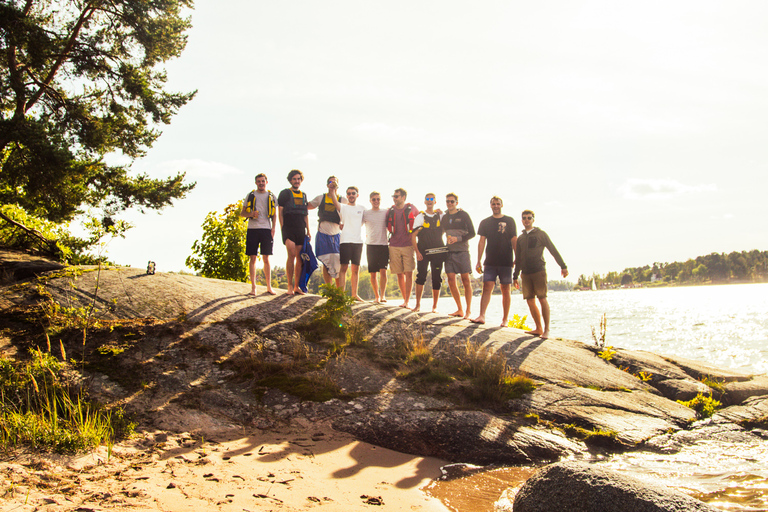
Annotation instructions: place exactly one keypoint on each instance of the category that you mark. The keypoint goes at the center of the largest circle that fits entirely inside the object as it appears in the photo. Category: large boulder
(580, 487)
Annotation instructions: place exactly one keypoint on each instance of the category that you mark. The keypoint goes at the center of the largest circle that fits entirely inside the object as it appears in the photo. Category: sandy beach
(299, 468)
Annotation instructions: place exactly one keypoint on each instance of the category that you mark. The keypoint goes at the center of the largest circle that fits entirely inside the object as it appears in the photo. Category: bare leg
(383, 285)
(455, 294)
(355, 280)
(545, 315)
(419, 291)
(268, 274)
(408, 287)
(375, 286)
(297, 269)
(536, 317)
(252, 273)
(506, 302)
(342, 279)
(435, 298)
(405, 283)
(465, 281)
(326, 276)
(484, 301)
(289, 270)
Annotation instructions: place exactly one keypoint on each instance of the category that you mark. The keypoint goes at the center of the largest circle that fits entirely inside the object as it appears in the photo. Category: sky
(636, 131)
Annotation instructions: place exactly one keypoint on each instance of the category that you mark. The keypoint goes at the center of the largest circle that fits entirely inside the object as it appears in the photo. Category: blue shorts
(490, 273)
(326, 244)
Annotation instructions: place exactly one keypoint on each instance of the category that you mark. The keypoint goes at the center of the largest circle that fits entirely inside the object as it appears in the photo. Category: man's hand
(479, 268)
(419, 257)
(517, 284)
(564, 272)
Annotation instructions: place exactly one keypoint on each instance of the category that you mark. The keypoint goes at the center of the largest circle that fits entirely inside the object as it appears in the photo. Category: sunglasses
(527, 217)
(449, 201)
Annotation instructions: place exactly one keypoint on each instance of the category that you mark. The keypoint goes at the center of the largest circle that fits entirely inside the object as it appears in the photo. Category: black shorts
(350, 253)
(294, 229)
(256, 239)
(378, 257)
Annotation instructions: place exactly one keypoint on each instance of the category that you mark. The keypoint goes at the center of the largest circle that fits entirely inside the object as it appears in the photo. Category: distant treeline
(744, 266)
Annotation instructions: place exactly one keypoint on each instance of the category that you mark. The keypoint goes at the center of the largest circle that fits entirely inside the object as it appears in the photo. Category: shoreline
(293, 468)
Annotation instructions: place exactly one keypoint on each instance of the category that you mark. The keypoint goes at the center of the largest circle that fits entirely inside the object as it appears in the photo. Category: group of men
(406, 240)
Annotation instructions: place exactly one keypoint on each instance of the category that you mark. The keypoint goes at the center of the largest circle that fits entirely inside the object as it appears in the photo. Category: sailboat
(594, 286)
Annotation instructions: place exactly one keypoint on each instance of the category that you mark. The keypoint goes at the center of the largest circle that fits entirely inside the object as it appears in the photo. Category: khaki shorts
(402, 259)
(534, 285)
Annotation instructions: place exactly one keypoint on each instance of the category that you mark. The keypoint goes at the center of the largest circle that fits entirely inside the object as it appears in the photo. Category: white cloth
(352, 222)
(375, 227)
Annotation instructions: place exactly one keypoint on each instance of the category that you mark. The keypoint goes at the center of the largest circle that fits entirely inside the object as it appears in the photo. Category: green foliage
(41, 411)
(20, 230)
(716, 267)
(493, 379)
(705, 406)
(78, 81)
(333, 311)
(643, 376)
(713, 384)
(220, 253)
(607, 353)
(519, 323)
(594, 437)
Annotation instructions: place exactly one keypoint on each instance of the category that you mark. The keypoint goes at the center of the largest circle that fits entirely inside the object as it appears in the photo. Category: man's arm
(419, 256)
(559, 259)
(306, 225)
(480, 250)
(470, 228)
(280, 216)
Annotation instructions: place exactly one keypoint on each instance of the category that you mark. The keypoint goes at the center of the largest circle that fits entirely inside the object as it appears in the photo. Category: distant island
(715, 268)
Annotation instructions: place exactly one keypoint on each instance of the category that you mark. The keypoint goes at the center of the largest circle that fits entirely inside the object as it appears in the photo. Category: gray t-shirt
(262, 206)
(375, 227)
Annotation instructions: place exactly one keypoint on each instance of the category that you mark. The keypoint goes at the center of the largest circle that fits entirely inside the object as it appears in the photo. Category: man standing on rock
(351, 240)
(259, 207)
(499, 232)
(376, 246)
(400, 219)
(328, 231)
(427, 241)
(294, 224)
(458, 229)
(530, 262)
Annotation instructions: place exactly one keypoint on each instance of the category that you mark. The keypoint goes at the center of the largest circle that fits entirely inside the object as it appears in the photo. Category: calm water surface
(723, 325)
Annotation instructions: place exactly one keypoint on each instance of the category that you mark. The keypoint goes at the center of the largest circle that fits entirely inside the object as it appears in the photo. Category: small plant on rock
(519, 323)
(599, 339)
(705, 406)
(607, 353)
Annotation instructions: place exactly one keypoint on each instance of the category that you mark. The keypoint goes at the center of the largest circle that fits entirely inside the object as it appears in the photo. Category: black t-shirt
(498, 234)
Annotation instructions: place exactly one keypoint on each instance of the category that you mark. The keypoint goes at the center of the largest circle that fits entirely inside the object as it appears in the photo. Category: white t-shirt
(352, 222)
(262, 206)
(375, 227)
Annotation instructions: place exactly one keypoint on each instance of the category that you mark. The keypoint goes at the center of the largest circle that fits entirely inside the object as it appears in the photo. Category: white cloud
(196, 168)
(651, 189)
(386, 131)
(307, 156)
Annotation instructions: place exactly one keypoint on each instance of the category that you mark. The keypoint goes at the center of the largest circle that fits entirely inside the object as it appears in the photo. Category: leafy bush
(705, 406)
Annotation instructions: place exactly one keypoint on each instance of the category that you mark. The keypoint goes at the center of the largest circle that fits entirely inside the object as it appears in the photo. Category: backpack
(271, 203)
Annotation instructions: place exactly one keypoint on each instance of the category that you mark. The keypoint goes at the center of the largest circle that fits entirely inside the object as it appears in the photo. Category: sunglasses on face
(449, 201)
(527, 217)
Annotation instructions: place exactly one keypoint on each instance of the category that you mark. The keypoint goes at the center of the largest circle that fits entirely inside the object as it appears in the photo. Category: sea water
(724, 325)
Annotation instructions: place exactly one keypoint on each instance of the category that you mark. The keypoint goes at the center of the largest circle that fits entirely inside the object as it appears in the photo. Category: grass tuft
(41, 411)
(705, 406)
